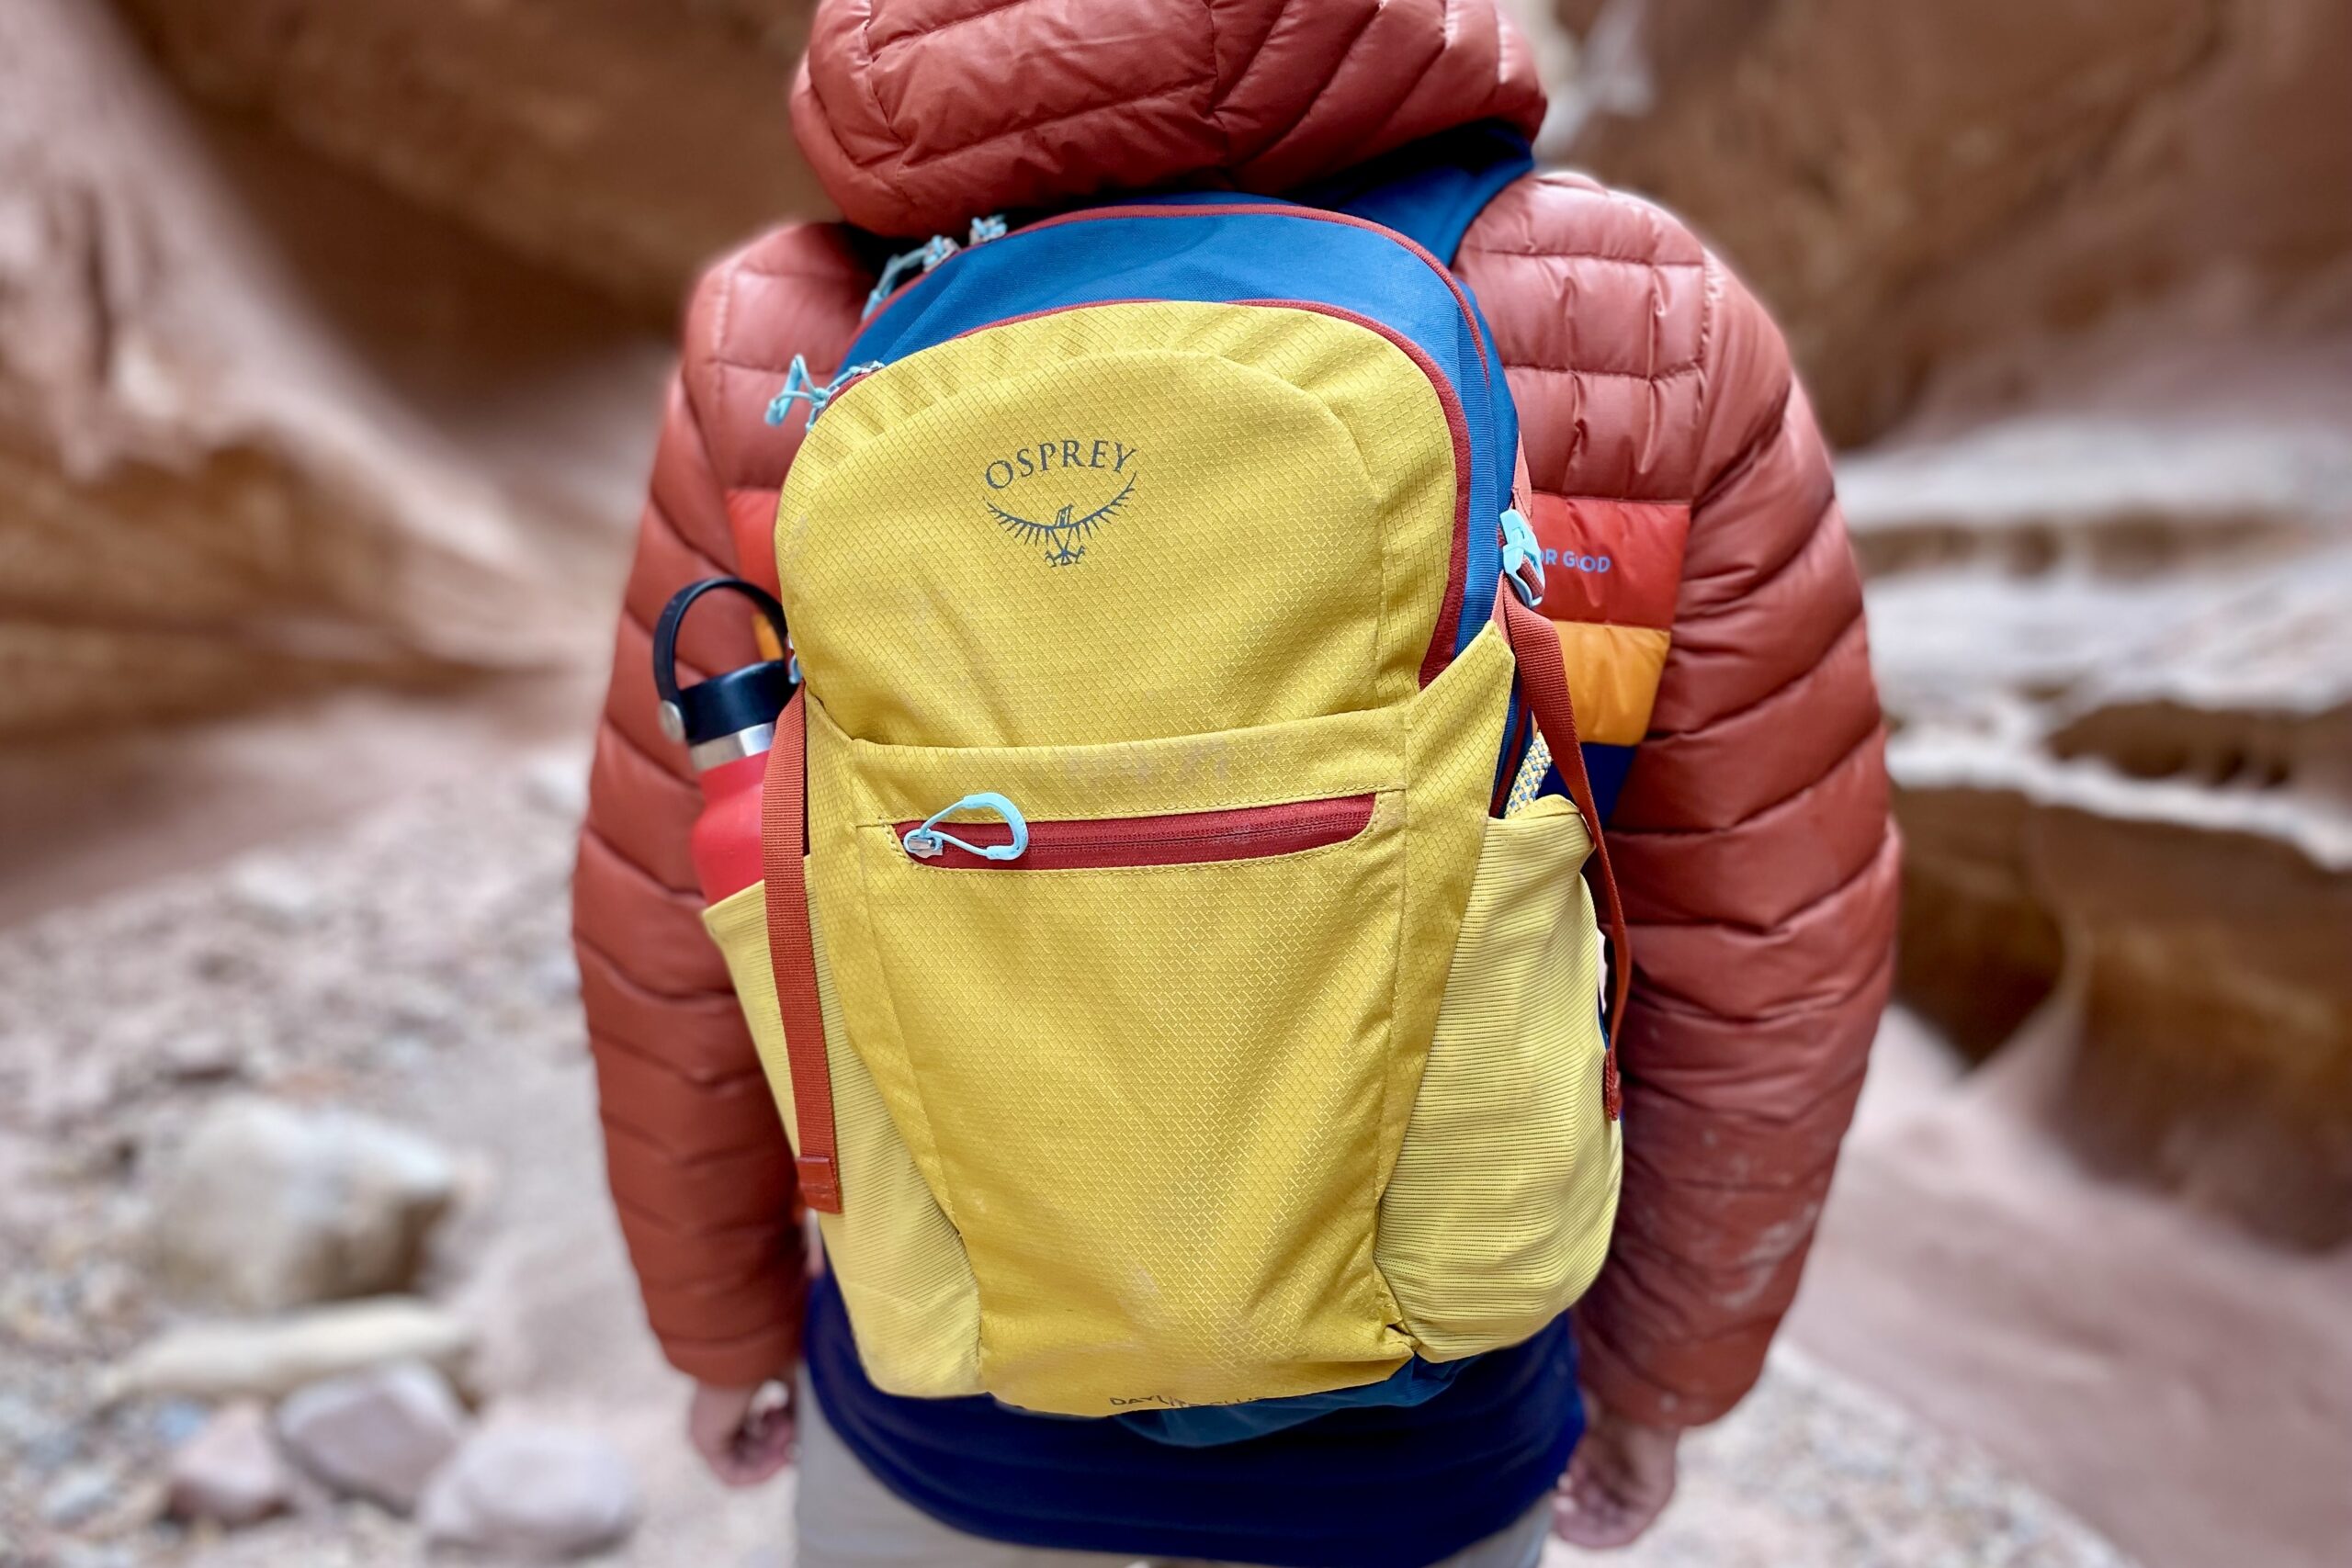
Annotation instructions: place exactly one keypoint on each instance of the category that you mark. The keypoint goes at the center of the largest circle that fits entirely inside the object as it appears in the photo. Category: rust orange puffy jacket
(1752, 836)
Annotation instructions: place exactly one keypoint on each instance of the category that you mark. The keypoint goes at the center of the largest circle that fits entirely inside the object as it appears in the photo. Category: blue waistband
(1364, 1486)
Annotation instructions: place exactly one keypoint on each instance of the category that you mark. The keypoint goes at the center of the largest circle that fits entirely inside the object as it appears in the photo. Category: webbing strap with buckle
(1544, 682)
(792, 953)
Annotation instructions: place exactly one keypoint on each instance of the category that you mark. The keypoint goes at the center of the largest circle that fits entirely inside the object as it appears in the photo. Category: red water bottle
(728, 726)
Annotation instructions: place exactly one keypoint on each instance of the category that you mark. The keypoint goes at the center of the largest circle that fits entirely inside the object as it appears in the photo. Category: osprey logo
(1065, 535)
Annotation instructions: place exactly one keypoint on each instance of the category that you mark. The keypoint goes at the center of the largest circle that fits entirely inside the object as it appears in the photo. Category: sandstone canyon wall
(199, 496)
(338, 358)
(621, 142)
(1916, 188)
(2074, 278)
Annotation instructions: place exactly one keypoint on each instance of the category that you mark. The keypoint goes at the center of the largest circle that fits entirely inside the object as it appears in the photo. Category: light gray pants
(849, 1519)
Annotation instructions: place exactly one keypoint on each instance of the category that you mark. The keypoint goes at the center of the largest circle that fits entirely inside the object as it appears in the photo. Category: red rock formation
(621, 142)
(228, 470)
(1912, 187)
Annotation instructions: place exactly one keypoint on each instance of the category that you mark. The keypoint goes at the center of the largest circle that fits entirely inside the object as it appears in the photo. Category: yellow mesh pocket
(900, 1265)
(1150, 1090)
(1159, 1102)
(1499, 1214)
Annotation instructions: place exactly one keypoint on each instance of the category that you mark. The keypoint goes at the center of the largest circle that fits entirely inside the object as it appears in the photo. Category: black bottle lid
(724, 704)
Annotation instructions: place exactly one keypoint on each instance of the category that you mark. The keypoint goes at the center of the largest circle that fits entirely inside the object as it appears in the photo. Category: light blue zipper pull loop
(992, 227)
(930, 840)
(1523, 558)
(837, 386)
(927, 255)
(798, 385)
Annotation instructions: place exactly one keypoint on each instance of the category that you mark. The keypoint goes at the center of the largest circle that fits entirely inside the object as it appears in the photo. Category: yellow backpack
(1188, 992)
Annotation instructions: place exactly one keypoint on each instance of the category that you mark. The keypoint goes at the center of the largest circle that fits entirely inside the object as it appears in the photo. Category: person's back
(1711, 615)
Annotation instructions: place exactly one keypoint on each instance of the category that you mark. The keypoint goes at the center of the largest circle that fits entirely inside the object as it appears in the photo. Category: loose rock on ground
(378, 1434)
(541, 1492)
(229, 1472)
(268, 1206)
(271, 1358)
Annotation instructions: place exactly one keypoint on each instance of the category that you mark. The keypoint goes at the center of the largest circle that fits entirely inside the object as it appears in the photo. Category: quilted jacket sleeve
(700, 1170)
(1752, 839)
(1754, 844)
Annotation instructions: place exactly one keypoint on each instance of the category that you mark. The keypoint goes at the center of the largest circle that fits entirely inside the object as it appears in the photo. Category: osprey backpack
(1172, 962)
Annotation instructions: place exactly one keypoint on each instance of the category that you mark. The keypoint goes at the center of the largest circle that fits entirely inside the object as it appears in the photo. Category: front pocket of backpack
(1149, 1053)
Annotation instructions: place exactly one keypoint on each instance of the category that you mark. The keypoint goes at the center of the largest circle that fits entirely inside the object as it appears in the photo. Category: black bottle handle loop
(665, 640)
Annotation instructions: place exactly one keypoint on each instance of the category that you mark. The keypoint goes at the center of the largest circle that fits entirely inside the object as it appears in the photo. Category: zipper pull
(928, 255)
(930, 840)
(801, 387)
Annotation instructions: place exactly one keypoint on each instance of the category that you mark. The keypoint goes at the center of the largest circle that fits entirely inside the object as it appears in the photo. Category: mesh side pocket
(1499, 1214)
(903, 1275)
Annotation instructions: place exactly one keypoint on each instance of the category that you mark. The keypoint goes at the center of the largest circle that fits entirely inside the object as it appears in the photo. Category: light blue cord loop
(929, 840)
(800, 387)
(1523, 558)
(797, 386)
(927, 255)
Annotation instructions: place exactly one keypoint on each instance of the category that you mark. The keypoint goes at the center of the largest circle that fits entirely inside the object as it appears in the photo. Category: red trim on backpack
(792, 954)
(1182, 838)
(1544, 682)
(1457, 425)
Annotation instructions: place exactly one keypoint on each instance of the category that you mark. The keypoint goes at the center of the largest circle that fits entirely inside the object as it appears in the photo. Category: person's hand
(1619, 1481)
(745, 1435)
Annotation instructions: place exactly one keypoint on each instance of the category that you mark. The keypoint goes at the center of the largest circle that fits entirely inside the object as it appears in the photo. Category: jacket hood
(918, 115)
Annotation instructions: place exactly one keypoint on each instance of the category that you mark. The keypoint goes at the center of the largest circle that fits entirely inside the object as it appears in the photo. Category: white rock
(269, 1207)
(71, 1092)
(78, 1495)
(229, 1472)
(280, 893)
(200, 1055)
(270, 1359)
(539, 1492)
(378, 1434)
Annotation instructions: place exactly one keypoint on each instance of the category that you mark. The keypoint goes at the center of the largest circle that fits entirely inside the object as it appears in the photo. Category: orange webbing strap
(791, 953)
(1544, 682)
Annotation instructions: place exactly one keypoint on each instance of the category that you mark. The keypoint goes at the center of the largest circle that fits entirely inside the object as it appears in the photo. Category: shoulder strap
(1544, 681)
(1431, 190)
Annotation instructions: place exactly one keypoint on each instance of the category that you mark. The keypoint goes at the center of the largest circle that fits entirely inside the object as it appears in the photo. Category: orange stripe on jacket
(1610, 572)
(1613, 676)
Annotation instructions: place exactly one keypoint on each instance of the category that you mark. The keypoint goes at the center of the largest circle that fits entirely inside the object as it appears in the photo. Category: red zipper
(1191, 838)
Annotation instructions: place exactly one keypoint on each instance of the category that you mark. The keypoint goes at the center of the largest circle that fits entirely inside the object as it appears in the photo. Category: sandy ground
(84, 816)
(415, 966)
(2185, 1388)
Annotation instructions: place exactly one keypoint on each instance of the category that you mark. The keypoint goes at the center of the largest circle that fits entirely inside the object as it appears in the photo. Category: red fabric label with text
(1615, 561)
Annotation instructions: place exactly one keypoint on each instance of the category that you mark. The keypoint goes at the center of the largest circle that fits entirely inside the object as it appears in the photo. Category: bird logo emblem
(1065, 533)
